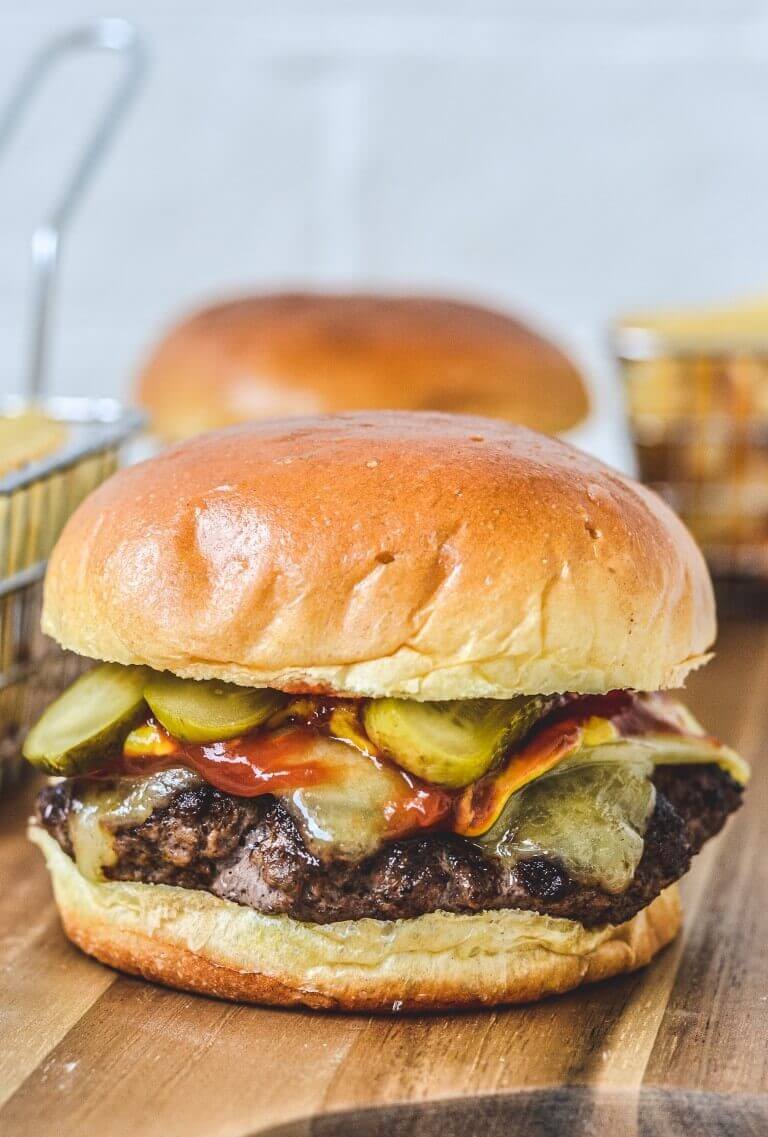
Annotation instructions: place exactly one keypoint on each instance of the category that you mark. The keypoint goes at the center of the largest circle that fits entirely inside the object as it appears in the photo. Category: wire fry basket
(37, 498)
(32, 668)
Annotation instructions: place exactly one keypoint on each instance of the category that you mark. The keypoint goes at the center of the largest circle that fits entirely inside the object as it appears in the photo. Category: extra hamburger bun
(197, 942)
(306, 354)
(425, 555)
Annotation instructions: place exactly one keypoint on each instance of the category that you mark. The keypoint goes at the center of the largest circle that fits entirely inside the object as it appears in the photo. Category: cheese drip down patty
(597, 810)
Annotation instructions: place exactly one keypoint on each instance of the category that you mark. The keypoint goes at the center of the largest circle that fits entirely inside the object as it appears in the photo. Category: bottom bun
(197, 942)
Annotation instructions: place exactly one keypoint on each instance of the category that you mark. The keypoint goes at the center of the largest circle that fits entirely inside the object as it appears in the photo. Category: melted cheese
(596, 740)
(345, 816)
(123, 803)
(671, 750)
(590, 817)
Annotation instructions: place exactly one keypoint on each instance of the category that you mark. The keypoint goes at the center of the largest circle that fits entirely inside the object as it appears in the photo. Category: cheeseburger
(381, 719)
(304, 353)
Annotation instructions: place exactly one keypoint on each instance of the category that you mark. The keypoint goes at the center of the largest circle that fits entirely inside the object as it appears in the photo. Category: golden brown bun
(197, 942)
(424, 555)
(307, 354)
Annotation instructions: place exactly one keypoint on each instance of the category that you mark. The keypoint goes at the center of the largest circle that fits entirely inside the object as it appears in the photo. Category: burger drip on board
(384, 716)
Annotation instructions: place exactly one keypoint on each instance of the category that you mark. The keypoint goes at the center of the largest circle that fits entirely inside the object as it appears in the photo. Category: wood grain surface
(681, 1048)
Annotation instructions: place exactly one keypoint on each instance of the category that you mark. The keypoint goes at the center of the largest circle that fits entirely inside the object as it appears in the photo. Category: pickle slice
(209, 710)
(96, 713)
(449, 743)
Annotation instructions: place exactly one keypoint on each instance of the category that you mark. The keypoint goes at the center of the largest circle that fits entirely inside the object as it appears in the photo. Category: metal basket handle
(112, 35)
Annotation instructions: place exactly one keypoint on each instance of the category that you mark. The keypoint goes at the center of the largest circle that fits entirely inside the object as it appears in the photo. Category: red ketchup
(270, 763)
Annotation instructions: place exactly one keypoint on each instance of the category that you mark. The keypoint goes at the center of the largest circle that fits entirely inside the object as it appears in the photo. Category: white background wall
(569, 159)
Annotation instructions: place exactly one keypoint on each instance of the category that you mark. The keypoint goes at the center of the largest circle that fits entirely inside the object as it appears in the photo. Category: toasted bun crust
(306, 354)
(424, 555)
(197, 942)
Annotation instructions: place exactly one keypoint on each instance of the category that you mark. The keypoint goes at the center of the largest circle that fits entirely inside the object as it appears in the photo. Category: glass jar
(698, 408)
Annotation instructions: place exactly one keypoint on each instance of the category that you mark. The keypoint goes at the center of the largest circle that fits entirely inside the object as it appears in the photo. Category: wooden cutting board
(679, 1048)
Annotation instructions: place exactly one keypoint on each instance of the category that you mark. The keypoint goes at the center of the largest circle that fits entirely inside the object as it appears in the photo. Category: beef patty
(250, 851)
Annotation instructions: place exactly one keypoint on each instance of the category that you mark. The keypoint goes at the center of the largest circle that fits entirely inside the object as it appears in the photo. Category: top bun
(426, 555)
(310, 354)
